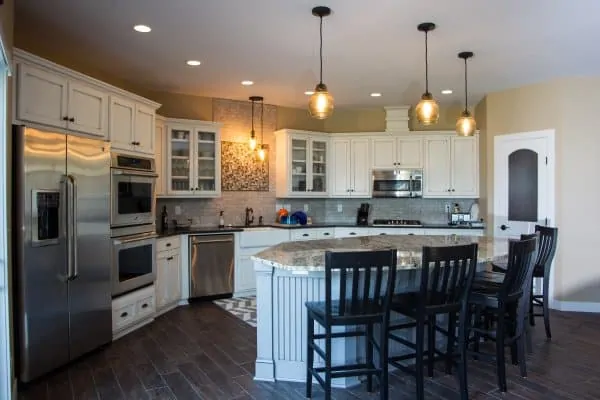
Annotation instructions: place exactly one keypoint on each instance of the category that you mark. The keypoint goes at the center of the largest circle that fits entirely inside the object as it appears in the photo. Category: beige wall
(569, 106)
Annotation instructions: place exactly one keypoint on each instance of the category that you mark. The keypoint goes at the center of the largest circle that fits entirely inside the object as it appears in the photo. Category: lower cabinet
(168, 273)
(132, 310)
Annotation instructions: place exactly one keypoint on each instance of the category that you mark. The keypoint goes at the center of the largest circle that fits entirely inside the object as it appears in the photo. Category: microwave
(398, 183)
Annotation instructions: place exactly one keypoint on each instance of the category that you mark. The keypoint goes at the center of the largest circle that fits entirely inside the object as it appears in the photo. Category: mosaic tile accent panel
(243, 308)
(241, 170)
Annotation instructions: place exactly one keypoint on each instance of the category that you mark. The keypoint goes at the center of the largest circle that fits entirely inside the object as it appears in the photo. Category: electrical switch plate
(447, 207)
(305, 207)
(340, 207)
(177, 210)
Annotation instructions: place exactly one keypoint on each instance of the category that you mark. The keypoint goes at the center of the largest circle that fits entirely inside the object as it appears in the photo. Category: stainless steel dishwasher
(211, 265)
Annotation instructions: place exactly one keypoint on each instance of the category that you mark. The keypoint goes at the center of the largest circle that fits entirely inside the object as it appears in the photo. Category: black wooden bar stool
(365, 282)
(446, 279)
(548, 240)
(507, 304)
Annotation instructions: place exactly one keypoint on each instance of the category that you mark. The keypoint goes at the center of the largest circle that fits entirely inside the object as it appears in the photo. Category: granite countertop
(214, 229)
(310, 255)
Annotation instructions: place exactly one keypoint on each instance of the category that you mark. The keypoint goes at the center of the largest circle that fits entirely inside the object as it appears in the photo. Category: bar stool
(371, 277)
(446, 279)
(548, 240)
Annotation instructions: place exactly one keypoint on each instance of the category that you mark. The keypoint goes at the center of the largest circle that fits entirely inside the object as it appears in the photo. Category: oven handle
(133, 172)
(135, 239)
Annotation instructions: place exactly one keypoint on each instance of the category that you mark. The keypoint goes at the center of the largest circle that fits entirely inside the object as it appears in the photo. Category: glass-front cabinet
(302, 158)
(193, 158)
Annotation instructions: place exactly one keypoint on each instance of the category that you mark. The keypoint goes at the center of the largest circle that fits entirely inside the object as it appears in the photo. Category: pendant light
(427, 110)
(320, 104)
(262, 152)
(252, 140)
(466, 125)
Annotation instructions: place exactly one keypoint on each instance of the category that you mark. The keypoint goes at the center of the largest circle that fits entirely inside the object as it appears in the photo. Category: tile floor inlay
(243, 308)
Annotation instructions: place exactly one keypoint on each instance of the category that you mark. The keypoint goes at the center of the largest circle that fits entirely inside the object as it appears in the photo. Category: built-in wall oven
(398, 183)
(133, 262)
(132, 182)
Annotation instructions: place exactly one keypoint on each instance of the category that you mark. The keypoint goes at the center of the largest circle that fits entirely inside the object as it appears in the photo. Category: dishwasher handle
(200, 241)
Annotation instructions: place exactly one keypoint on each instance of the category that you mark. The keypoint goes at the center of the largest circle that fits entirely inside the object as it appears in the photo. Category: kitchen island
(289, 274)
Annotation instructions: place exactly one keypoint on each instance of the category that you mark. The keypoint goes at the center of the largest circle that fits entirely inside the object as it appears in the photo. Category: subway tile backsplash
(206, 211)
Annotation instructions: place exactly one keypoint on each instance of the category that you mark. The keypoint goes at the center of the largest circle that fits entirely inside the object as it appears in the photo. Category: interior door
(522, 190)
(88, 163)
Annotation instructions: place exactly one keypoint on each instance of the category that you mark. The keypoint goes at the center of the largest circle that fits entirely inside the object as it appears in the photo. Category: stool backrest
(446, 275)
(519, 269)
(365, 278)
(546, 246)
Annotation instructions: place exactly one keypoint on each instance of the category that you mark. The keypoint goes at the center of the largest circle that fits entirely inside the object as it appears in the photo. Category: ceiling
(369, 46)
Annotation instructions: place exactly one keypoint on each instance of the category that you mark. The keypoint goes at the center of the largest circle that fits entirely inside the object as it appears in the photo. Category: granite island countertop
(310, 255)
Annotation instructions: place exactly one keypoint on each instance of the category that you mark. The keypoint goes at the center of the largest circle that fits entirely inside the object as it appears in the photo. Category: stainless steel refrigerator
(61, 199)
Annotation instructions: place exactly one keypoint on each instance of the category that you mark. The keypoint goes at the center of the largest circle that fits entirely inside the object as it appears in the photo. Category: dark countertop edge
(209, 230)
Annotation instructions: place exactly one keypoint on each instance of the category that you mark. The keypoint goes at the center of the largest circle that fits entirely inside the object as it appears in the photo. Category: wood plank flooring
(202, 352)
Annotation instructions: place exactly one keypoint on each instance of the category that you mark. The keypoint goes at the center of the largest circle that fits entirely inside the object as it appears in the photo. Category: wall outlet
(447, 207)
(340, 208)
(305, 207)
(177, 210)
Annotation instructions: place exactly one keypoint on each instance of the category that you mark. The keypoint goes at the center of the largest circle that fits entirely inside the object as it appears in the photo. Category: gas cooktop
(397, 222)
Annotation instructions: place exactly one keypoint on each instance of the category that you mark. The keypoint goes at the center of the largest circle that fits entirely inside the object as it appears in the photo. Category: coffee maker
(362, 215)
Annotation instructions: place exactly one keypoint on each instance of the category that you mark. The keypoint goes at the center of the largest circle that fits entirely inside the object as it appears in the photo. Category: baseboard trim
(576, 306)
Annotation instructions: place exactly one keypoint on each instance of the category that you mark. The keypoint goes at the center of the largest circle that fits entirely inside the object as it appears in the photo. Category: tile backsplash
(206, 211)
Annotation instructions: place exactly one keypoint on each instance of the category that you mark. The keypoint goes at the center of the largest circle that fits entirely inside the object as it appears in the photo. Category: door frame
(550, 136)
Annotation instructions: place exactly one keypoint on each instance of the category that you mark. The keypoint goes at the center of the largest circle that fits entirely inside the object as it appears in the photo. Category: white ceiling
(369, 46)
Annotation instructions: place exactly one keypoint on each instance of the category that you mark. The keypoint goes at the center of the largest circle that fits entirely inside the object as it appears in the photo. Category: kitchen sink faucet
(249, 217)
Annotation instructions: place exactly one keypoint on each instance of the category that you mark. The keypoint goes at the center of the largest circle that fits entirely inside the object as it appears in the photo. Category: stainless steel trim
(114, 162)
(125, 243)
(132, 172)
(196, 241)
(135, 238)
(120, 231)
(70, 228)
(74, 228)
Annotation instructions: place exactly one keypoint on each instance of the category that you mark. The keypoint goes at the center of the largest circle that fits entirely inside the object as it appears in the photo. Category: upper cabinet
(193, 158)
(451, 167)
(391, 152)
(350, 169)
(302, 160)
(51, 95)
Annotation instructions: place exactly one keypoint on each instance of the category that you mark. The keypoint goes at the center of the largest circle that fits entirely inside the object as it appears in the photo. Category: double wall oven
(133, 181)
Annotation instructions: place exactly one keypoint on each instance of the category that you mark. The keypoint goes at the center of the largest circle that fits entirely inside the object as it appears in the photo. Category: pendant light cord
(426, 67)
(466, 99)
(252, 117)
(321, 49)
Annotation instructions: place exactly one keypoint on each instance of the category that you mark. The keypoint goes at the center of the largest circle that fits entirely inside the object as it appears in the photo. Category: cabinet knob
(124, 314)
(352, 233)
(133, 143)
(71, 119)
(65, 118)
(168, 244)
(145, 305)
(453, 190)
(305, 234)
(326, 234)
(449, 190)
(169, 258)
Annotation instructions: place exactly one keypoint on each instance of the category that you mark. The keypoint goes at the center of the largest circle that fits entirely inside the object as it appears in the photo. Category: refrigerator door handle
(75, 270)
(65, 201)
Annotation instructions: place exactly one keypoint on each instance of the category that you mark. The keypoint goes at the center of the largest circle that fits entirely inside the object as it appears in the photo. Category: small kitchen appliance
(362, 215)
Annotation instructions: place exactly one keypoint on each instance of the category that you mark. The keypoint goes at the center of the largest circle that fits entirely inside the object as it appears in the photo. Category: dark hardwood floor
(202, 352)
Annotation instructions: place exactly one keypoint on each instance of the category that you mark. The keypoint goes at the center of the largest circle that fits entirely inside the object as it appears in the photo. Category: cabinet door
(340, 168)
(161, 286)
(436, 172)
(179, 159)
(122, 114)
(41, 97)
(144, 129)
(88, 109)
(159, 154)
(359, 166)
(173, 278)
(465, 167)
(206, 157)
(318, 166)
(384, 152)
(299, 164)
(410, 152)
(245, 276)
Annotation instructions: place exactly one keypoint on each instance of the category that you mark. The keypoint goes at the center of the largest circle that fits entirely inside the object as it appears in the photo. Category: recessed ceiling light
(309, 93)
(447, 91)
(247, 83)
(375, 94)
(142, 28)
(193, 63)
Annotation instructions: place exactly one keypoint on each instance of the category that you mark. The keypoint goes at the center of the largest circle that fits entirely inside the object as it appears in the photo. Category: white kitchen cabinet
(351, 232)
(168, 273)
(49, 98)
(396, 231)
(131, 126)
(312, 234)
(193, 159)
(455, 231)
(350, 171)
(159, 155)
(133, 310)
(302, 160)
(389, 152)
(451, 167)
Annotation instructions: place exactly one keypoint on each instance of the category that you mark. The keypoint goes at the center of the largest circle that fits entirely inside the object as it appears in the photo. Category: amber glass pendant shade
(321, 102)
(466, 125)
(428, 110)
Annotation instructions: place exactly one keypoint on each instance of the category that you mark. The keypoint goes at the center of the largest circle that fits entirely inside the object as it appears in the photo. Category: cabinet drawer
(326, 233)
(351, 232)
(168, 243)
(302, 234)
(123, 316)
(263, 238)
(145, 306)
